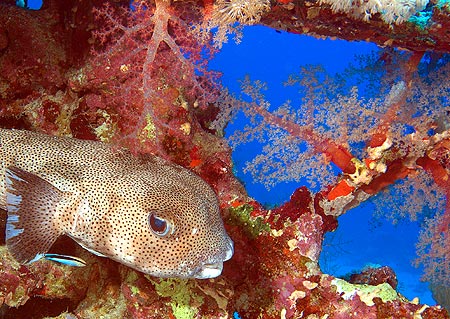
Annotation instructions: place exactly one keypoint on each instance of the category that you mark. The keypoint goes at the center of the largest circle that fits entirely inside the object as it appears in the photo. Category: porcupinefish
(144, 212)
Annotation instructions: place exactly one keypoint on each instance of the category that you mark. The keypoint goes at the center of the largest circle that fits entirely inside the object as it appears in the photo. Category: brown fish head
(172, 228)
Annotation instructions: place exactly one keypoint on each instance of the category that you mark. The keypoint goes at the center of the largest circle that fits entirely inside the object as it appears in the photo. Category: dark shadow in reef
(15, 122)
(441, 294)
(38, 308)
(3, 216)
(64, 245)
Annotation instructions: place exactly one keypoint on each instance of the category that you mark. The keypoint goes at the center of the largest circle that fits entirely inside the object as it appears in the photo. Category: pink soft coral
(152, 70)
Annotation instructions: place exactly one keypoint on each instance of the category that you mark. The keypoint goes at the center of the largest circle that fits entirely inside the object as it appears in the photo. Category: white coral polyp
(242, 11)
(396, 11)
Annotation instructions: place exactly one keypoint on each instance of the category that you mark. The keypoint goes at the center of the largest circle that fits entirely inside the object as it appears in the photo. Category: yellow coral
(361, 174)
(106, 131)
(149, 131)
(377, 152)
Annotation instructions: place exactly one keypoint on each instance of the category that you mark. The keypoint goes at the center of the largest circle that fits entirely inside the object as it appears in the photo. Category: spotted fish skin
(110, 202)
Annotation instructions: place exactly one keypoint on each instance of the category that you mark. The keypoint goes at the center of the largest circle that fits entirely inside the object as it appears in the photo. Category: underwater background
(303, 243)
(363, 237)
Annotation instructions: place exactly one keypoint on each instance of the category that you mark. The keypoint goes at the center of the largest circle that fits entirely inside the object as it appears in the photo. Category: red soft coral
(152, 70)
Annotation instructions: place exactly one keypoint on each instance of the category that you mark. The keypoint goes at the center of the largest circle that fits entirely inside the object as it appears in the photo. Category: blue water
(362, 240)
(31, 4)
(272, 56)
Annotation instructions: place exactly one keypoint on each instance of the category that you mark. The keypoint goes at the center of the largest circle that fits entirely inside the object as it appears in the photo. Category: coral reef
(375, 276)
(141, 80)
(424, 31)
(390, 11)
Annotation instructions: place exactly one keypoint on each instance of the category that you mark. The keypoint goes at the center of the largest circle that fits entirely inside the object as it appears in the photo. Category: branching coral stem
(160, 34)
(380, 134)
(337, 154)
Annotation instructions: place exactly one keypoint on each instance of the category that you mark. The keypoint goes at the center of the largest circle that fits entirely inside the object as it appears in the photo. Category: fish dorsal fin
(31, 203)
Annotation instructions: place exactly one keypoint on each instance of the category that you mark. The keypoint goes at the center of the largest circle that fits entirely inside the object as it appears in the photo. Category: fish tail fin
(31, 204)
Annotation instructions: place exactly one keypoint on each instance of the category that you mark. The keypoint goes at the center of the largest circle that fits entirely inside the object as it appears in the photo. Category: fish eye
(159, 226)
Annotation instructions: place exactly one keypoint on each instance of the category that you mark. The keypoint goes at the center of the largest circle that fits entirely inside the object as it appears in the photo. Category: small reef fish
(144, 212)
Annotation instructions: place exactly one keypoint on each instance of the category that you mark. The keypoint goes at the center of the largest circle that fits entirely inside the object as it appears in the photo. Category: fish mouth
(212, 270)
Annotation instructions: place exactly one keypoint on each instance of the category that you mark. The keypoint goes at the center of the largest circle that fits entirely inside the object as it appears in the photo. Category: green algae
(103, 302)
(149, 131)
(253, 226)
(422, 19)
(9, 267)
(18, 298)
(366, 293)
(442, 3)
(64, 281)
(131, 277)
(184, 301)
(106, 131)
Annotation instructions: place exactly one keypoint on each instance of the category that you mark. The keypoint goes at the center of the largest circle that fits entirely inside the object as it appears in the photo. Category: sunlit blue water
(270, 56)
(30, 5)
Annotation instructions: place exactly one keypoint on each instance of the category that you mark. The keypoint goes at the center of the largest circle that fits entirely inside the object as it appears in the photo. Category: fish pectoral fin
(31, 203)
(66, 260)
(92, 251)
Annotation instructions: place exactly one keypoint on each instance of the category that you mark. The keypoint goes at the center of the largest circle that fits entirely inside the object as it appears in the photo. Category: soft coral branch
(338, 154)
(398, 101)
(375, 172)
(151, 70)
(401, 143)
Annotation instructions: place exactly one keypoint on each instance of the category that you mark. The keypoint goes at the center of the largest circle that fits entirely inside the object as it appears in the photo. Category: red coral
(162, 74)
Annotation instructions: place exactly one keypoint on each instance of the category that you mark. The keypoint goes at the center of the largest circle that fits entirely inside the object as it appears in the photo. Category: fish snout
(214, 269)
(230, 250)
